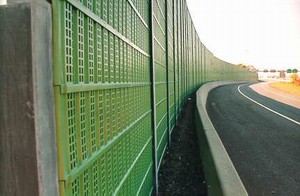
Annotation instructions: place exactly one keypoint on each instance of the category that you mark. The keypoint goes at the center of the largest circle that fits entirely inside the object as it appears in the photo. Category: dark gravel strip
(181, 171)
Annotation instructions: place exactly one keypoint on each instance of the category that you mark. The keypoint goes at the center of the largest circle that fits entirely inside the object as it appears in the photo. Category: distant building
(281, 73)
(271, 74)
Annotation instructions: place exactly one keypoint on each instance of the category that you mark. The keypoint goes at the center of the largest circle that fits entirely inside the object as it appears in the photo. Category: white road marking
(279, 114)
(262, 86)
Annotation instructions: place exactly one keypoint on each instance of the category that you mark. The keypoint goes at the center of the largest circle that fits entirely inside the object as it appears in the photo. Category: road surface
(261, 136)
(265, 89)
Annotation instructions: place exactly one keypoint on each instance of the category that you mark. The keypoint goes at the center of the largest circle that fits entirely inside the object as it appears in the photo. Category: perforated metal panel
(102, 88)
(121, 75)
(160, 80)
(171, 66)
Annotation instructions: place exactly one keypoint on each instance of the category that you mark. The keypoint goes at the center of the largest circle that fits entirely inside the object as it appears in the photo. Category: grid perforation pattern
(160, 63)
(71, 130)
(121, 79)
(69, 44)
(104, 131)
(93, 121)
(101, 118)
(95, 181)
(99, 55)
(80, 46)
(105, 56)
(91, 50)
(82, 125)
(111, 58)
(171, 65)
(75, 188)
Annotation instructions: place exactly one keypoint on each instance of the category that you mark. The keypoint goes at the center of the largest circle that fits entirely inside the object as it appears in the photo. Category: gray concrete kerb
(220, 174)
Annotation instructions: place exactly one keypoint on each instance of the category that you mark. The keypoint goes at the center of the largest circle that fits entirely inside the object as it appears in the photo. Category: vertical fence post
(174, 61)
(153, 101)
(28, 163)
(167, 72)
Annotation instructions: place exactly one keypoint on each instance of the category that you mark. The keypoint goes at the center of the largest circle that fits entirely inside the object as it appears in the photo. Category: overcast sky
(263, 33)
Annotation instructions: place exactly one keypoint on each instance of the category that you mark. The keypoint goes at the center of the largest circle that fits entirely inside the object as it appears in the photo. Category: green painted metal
(122, 71)
(102, 89)
(153, 102)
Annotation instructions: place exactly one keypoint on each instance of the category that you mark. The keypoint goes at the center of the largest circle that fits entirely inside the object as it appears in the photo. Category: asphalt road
(263, 141)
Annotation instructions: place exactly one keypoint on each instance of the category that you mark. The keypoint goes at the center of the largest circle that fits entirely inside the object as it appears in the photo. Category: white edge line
(275, 93)
(290, 119)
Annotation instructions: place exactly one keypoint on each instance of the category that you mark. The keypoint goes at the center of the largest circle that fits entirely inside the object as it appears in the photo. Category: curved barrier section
(220, 174)
(220, 70)
(122, 70)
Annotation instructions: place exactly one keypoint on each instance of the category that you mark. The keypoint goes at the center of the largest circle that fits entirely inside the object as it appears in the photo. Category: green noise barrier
(122, 70)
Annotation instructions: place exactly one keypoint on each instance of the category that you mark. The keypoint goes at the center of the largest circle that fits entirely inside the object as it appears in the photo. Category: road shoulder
(266, 90)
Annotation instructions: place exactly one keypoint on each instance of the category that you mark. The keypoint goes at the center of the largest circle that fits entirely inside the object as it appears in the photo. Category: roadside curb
(220, 174)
